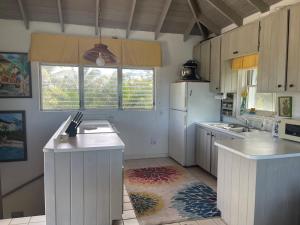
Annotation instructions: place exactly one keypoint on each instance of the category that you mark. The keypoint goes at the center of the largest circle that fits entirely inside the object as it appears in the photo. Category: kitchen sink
(234, 127)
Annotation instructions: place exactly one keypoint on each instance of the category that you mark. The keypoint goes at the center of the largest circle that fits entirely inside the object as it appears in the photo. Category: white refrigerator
(190, 102)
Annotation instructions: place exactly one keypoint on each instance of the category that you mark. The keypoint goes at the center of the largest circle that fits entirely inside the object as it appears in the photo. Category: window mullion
(81, 88)
(120, 89)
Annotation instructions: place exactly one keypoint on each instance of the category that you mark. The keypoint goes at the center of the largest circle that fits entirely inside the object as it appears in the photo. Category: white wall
(137, 128)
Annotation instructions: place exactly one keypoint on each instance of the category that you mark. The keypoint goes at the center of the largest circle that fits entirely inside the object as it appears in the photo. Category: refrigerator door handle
(191, 92)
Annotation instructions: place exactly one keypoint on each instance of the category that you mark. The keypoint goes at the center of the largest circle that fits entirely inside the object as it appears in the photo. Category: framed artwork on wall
(13, 145)
(15, 75)
(285, 106)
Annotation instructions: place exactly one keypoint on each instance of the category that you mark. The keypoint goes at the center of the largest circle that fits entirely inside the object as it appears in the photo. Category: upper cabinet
(293, 69)
(273, 51)
(202, 54)
(241, 41)
(215, 64)
(205, 60)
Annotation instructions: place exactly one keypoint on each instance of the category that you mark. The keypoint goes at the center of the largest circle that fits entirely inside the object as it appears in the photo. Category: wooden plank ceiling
(199, 17)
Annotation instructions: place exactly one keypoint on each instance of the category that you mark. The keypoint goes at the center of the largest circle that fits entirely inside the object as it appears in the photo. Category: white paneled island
(259, 180)
(84, 176)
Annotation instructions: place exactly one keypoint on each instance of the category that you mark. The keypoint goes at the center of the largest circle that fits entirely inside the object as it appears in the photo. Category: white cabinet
(273, 51)
(203, 148)
(202, 54)
(205, 60)
(229, 78)
(293, 70)
(215, 64)
(206, 151)
(241, 41)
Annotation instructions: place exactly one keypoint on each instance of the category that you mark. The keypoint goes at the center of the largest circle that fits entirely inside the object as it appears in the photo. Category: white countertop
(257, 145)
(86, 142)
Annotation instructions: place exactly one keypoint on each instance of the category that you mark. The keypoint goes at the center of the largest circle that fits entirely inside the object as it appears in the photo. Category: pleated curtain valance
(68, 49)
(245, 62)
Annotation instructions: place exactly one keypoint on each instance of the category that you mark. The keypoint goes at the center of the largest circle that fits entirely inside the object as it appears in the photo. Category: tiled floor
(128, 216)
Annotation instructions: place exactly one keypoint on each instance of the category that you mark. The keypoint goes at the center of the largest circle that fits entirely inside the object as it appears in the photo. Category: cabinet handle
(212, 135)
(291, 85)
(207, 133)
(279, 85)
(235, 52)
(217, 88)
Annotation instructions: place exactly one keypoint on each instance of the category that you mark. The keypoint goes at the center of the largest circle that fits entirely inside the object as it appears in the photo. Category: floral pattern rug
(169, 194)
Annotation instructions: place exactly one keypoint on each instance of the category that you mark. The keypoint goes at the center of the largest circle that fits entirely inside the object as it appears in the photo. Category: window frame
(81, 88)
(153, 89)
(241, 86)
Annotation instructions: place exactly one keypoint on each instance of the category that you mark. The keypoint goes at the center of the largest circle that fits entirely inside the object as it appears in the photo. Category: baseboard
(145, 156)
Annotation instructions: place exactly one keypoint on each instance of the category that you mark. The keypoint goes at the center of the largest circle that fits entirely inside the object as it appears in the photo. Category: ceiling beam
(130, 20)
(162, 18)
(60, 15)
(201, 19)
(260, 5)
(23, 14)
(228, 12)
(97, 17)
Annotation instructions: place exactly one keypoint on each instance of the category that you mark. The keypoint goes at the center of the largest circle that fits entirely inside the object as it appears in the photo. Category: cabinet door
(293, 73)
(215, 64)
(203, 150)
(241, 41)
(229, 78)
(214, 154)
(205, 60)
(247, 39)
(273, 52)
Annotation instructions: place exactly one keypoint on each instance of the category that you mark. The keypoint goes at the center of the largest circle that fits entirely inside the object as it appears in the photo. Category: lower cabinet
(206, 151)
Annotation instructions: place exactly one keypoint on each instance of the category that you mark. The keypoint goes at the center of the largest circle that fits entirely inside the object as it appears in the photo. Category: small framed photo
(15, 75)
(285, 106)
(13, 145)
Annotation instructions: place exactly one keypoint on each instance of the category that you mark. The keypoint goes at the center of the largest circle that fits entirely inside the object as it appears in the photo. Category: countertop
(85, 142)
(257, 144)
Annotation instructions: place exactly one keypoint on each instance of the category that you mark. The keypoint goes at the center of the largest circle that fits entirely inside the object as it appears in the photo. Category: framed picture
(13, 146)
(285, 106)
(15, 75)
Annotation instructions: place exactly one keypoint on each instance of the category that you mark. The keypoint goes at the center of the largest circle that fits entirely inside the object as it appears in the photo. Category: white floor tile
(17, 221)
(128, 215)
(5, 221)
(131, 222)
(38, 223)
(35, 219)
(127, 206)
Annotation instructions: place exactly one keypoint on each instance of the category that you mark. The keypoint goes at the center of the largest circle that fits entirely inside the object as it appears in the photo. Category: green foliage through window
(65, 88)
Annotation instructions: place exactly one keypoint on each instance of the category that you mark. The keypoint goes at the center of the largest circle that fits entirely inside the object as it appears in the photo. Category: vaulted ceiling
(186, 17)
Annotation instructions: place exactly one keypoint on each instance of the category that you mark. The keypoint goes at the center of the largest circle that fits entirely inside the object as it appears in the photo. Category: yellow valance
(54, 48)
(141, 53)
(68, 49)
(245, 62)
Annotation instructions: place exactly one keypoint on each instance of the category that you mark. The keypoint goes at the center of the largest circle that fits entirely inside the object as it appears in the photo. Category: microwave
(289, 129)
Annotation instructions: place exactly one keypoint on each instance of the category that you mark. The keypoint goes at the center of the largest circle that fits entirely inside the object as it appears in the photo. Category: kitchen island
(259, 180)
(83, 176)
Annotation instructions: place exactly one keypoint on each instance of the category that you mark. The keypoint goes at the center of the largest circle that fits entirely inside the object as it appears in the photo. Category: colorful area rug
(169, 194)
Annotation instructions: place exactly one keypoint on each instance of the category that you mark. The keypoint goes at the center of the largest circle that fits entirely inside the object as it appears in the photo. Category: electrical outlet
(153, 141)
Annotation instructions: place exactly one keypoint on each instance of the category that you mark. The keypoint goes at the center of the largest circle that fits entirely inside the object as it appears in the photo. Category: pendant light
(100, 53)
(100, 61)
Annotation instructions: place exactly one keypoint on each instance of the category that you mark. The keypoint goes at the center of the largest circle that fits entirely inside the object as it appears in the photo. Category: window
(259, 101)
(59, 87)
(74, 87)
(100, 88)
(137, 89)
